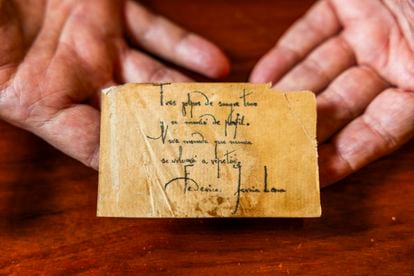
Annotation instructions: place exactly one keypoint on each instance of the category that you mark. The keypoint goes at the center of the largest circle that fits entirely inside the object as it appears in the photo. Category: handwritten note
(208, 150)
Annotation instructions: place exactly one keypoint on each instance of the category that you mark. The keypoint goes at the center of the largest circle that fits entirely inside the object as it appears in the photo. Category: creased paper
(207, 150)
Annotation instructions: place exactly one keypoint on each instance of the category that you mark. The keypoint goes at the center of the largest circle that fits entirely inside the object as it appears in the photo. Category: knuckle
(389, 141)
(313, 65)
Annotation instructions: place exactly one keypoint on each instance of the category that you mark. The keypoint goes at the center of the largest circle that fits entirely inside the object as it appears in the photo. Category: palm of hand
(358, 57)
(59, 54)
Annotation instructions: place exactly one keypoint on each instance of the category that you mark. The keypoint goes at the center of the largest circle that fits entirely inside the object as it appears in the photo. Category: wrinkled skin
(358, 57)
(56, 55)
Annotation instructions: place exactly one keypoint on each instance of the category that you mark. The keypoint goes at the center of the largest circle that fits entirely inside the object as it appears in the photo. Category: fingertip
(221, 67)
(93, 161)
(215, 65)
(330, 168)
(203, 57)
(265, 70)
(260, 73)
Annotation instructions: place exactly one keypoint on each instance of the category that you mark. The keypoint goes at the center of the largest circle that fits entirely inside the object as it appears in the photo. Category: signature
(191, 185)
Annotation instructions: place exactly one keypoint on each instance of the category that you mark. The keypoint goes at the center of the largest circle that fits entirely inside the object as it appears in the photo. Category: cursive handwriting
(163, 134)
(190, 103)
(235, 121)
(191, 129)
(253, 189)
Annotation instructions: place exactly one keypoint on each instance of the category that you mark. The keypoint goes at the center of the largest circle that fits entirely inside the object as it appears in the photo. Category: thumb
(74, 131)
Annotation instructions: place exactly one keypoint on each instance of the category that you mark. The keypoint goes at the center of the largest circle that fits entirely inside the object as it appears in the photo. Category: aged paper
(208, 150)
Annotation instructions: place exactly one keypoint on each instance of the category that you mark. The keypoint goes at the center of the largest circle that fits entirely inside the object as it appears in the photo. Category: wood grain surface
(48, 217)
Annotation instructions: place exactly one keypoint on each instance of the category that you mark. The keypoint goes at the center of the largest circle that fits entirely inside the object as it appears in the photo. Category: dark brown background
(48, 201)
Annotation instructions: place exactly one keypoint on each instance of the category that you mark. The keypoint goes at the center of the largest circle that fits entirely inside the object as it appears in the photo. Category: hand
(55, 57)
(358, 57)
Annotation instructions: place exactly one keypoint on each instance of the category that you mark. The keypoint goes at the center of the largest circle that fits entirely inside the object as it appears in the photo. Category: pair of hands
(357, 56)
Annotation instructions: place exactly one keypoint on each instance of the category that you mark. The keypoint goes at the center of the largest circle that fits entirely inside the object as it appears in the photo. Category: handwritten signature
(191, 185)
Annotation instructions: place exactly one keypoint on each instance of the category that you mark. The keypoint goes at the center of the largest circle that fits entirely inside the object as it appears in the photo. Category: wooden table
(48, 201)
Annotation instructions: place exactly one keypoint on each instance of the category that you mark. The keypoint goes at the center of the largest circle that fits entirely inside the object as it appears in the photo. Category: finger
(353, 11)
(159, 36)
(387, 123)
(11, 43)
(32, 15)
(138, 67)
(385, 50)
(346, 98)
(319, 68)
(74, 131)
(404, 11)
(316, 26)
